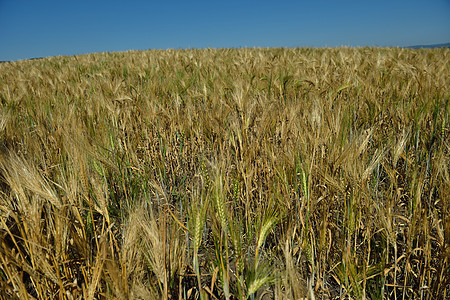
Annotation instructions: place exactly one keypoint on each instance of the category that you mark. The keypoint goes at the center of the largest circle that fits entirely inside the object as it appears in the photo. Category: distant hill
(33, 58)
(446, 45)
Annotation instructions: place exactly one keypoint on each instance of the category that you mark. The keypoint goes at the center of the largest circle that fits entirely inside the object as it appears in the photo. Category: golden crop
(226, 174)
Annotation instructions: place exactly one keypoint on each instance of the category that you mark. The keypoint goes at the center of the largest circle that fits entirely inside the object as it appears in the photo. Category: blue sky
(48, 28)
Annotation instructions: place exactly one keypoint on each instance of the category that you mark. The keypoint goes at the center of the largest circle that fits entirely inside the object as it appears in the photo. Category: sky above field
(30, 29)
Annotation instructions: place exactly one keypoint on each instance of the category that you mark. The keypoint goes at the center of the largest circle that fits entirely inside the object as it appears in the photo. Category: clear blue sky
(49, 28)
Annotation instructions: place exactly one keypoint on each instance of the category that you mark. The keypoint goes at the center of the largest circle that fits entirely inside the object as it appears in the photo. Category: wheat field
(226, 174)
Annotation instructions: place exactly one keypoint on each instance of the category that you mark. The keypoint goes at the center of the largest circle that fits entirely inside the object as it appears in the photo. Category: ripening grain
(226, 174)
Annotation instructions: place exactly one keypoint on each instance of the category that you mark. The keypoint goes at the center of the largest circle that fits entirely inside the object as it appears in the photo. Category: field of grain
(226, 174)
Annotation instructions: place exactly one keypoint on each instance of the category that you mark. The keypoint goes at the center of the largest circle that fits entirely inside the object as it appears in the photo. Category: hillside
(446, 45)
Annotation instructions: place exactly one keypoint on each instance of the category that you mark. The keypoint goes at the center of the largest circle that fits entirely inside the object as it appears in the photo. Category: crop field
(226, 174)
